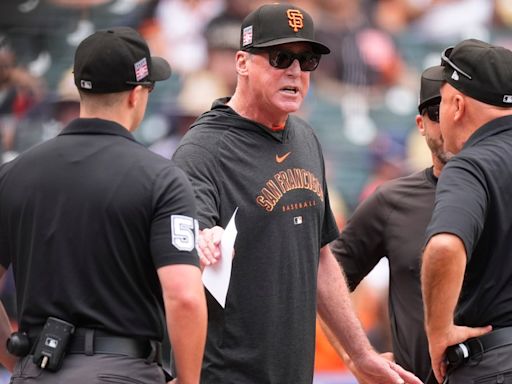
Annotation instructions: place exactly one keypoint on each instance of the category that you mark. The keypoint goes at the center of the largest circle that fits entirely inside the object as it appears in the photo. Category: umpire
(101, 236)
(467, 262)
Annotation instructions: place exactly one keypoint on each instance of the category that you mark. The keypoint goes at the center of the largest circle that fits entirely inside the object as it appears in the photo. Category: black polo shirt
(86, 219)
(474, 202)
(391, 223)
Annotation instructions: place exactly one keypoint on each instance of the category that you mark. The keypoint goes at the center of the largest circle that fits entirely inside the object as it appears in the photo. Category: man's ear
(420, 124)
(242, 61)
(134, 96)
(460, 106)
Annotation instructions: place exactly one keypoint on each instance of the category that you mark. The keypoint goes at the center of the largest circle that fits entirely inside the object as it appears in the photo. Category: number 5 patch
(184, 231)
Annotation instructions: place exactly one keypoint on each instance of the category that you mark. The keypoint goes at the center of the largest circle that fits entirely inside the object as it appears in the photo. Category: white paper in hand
(216, 277)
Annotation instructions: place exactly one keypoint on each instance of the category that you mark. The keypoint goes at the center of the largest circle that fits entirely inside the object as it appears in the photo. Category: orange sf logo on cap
(295, 19)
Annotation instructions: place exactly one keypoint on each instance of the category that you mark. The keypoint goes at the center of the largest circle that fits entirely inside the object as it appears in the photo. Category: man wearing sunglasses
(467, 262)
(391, 223)
(249, 152)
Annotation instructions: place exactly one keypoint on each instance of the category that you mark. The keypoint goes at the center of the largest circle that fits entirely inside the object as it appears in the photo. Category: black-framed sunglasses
(150, 85)
(281, 59)
(445, 59)
(432, 112)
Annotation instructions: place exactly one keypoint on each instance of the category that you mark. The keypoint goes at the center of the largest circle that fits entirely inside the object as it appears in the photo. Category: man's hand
(209, 245)
(350, 365)
(335, 309)
(373, 368)
(439, 341)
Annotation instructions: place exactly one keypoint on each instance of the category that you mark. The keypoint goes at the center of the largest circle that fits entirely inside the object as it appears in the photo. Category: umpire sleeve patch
(183, 232)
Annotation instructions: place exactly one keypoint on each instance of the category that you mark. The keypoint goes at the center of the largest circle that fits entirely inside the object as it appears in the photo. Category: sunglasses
(445, 59)
(432, 111)
(282, 59)
(150, 85)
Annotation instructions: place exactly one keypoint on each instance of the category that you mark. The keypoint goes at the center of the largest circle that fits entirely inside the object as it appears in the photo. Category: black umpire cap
(115, 60)
(480, 70)
(431, 81)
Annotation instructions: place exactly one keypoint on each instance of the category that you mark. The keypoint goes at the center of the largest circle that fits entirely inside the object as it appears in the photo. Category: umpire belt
(90, 342)
(492, 340)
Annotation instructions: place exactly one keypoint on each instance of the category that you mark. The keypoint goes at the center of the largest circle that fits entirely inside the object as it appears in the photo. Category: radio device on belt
(51, 345)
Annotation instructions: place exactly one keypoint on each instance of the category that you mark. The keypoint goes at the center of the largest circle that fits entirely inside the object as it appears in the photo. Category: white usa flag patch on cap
(247, 36)
(141, 69)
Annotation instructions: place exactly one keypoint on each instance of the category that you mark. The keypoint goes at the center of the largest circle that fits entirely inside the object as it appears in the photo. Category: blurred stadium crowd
(362, 101)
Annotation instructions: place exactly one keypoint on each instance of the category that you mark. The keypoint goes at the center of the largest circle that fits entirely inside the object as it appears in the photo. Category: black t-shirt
(474, 202)
(391, 223)
(86, 219)
(266, 333)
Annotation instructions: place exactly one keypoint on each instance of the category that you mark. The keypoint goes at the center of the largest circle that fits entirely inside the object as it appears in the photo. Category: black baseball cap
(275, 24)
(431, 81)
(115, 60)
(480, 70)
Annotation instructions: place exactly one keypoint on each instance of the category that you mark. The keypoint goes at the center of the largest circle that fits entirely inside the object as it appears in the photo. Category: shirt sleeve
(461, 203)
(361, 243)
(199, 166)
(329, 226)
(174, 223)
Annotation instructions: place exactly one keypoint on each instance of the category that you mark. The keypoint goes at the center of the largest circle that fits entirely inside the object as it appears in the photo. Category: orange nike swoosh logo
(280, 159)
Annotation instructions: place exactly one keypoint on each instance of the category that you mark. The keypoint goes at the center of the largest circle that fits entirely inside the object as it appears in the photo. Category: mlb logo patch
(51, 342)
(141, 69)
(297, 220)
(455, 76)
(85, 84)
(507, 99)
(247, 36)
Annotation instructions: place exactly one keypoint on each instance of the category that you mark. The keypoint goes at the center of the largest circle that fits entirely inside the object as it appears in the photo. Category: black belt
(471, 350)
(492, 340)
(89, 342)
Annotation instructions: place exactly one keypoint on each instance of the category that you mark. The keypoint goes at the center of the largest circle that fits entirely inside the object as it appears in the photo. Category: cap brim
(317, 47)
(434, 73)
(160, 69)
(426, 102)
